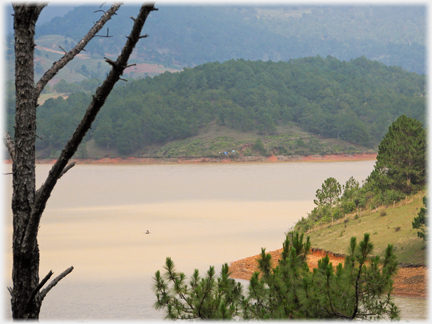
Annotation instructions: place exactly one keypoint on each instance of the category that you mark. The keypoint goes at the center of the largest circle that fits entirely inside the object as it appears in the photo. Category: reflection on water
(199, 215)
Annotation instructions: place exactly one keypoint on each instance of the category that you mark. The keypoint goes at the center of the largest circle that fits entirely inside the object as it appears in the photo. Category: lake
(197, 214)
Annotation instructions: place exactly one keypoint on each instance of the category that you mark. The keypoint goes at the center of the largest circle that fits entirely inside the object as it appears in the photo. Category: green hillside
(387, 225)
(384, 205)
(214, 140)
(170, 114)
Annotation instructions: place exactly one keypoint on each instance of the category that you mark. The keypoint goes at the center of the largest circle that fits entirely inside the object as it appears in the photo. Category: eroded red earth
(408, 282)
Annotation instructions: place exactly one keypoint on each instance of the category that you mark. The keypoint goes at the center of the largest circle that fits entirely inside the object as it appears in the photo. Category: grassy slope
(409, 247)
(213, 139)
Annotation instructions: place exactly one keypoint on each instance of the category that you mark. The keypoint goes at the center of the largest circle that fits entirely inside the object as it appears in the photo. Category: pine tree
(358, 289)
(401, 159)
(204, 298)
(329, 193)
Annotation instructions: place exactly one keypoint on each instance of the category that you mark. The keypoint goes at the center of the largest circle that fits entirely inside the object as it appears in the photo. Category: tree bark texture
(28, 203)
(25, 274)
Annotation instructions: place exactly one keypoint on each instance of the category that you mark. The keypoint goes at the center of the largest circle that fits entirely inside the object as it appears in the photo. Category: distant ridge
(193, 35)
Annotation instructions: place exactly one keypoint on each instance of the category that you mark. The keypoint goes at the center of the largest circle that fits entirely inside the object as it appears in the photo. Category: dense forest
(355, 101)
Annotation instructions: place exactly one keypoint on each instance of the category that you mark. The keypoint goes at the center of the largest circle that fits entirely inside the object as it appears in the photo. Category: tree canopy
(401, 159)
(329, 193)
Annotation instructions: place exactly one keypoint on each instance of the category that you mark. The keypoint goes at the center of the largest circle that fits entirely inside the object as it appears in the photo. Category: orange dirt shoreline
(410, 281)
(237, 159)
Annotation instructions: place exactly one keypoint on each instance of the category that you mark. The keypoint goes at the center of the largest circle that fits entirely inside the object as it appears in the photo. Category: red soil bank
(272, 158)
(408, 282)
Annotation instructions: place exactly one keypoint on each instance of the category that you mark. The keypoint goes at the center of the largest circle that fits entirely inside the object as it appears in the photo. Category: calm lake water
(199, 215)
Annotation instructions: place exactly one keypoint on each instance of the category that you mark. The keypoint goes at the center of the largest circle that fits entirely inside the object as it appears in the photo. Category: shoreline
(409, 281)
(236, 159)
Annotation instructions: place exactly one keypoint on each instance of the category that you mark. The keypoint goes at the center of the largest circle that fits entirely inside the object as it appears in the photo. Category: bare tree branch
(40, 285)
(75, 51)
(62, 49)
(110, 62)
(10, 145)
(44, 292)
(67, 168)
(107, 35)
(71, 146)
(27, 203)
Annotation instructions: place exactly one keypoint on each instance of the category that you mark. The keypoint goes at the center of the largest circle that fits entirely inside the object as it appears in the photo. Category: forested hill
(355, 101)
(188, 35)
(193, 35)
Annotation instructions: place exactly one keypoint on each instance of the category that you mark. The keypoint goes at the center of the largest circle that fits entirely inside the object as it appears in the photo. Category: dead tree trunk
(25, 275)
(28, 203)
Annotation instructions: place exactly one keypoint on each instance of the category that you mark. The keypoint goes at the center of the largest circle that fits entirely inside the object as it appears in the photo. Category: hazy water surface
(199, 215)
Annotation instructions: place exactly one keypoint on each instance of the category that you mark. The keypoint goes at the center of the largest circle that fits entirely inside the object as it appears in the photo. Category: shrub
(247, 151)
(420, 221)
(393, 195)
(259, 146)
(360, 202)
(348, 206)
(383, 213)
(337, 213)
